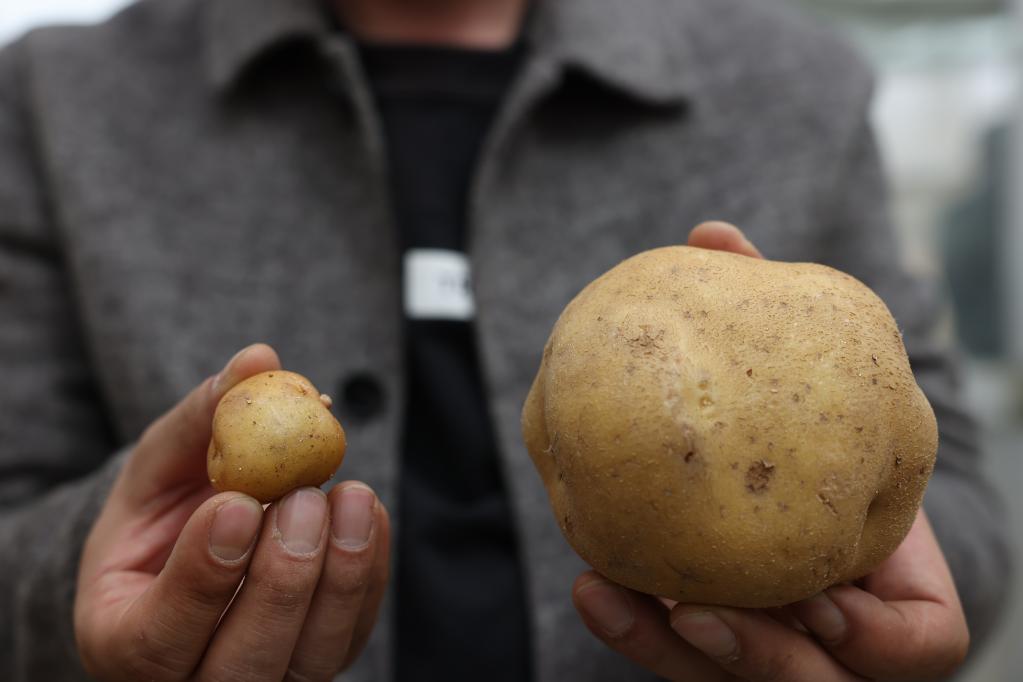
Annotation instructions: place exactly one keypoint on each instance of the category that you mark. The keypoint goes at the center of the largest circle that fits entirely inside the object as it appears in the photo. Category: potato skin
(719, 429)
(273, 433)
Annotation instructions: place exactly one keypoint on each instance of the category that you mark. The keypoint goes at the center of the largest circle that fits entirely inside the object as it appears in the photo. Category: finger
(916, 570)
(323, 646)
(172, 450)
(164, 632)
(753, 646)
(377, 588)
(258, 633)
(636, 626)
(919, 632)
(887, 640)
(721, 236)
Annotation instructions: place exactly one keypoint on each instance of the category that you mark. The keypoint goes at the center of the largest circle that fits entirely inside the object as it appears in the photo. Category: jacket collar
(635, 47)
(238, 32)
(632, 47)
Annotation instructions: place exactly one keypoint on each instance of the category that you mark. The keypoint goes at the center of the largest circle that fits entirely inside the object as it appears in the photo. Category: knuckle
(148, 657)
(207, 589)
(135, 654)
(641, 645)
(283, 590)
(952, 656)
(347, 581)
(778, 667)
(652, 656)
(939, 647)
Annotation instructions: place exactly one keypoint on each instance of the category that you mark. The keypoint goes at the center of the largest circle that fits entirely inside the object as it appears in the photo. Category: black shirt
(461, 607)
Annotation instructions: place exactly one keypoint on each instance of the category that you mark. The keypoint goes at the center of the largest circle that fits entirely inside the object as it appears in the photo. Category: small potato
(273, 433)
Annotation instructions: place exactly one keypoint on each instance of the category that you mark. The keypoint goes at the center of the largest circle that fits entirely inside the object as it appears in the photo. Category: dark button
(362, 397)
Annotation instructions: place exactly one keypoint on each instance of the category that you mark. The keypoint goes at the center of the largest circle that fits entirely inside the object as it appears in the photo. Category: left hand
(903, 621)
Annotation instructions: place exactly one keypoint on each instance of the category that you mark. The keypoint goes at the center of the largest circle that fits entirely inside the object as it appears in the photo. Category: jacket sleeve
(964, 509)
(55, 443)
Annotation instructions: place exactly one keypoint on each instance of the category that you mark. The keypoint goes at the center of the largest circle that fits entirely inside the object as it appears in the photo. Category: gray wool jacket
(195, 175)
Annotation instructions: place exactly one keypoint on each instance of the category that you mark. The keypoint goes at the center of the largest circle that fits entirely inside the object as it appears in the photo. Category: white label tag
(438, 285)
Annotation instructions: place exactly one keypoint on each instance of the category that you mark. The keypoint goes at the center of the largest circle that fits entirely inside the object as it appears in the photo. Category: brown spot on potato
(826, 501)
(758, 476)
(647, 341)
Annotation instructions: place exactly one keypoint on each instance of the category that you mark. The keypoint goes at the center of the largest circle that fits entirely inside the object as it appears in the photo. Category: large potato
(272, 433)
(720, 429)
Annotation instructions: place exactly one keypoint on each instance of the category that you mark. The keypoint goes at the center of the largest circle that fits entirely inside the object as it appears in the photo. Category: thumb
(721, 236)
(173, 449)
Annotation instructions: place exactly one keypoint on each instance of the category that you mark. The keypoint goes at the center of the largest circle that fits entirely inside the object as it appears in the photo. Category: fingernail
(224, 375)
(708, 633)
(300, 520)
(352, 517)
(608, 606)
(823, 618)
(234, 528)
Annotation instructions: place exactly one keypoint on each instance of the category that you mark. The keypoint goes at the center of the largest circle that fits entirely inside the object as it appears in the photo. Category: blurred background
(949, 116)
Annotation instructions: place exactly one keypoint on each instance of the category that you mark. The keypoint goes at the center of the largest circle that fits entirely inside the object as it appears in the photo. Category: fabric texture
(195, 175)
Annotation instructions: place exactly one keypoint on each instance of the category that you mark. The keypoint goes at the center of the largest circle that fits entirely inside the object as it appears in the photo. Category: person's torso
(197, 216)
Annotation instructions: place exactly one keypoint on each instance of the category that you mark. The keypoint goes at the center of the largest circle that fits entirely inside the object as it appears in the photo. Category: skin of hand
(178, 582)
(903, 621)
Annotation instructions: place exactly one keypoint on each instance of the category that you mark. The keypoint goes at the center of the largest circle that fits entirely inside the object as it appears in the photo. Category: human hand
(177, 582)
(904, 621)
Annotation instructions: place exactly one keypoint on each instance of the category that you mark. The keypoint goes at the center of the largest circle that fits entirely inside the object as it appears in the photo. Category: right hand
(160, 585)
